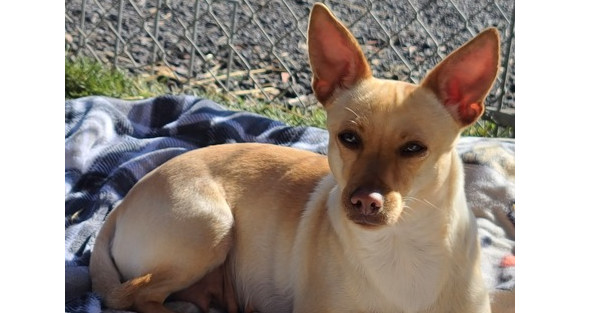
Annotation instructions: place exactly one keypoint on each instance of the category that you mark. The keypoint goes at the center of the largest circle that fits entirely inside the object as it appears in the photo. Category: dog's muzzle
(366, 207)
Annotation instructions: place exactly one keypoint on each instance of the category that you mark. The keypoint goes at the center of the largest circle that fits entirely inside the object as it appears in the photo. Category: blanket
(110, 144)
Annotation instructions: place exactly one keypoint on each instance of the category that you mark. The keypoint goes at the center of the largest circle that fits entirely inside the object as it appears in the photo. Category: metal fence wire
(256, 50)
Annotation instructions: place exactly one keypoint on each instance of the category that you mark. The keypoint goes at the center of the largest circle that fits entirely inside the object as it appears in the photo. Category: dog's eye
(350, 139)
(412, 149)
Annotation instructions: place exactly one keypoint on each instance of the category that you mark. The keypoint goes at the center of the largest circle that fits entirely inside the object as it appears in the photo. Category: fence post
(230, 40)
(194, 36)
(505, 64)
(83, 38)
(155, 45)
(506, 59)
(119, 28)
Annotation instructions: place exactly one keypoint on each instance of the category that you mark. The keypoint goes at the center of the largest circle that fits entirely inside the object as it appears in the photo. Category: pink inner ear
(453, 93)
(468, 106)
(464, 78)
(467, 80)
(335, 57)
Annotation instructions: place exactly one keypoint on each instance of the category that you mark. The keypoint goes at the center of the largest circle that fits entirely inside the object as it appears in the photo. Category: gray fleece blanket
(110, 144)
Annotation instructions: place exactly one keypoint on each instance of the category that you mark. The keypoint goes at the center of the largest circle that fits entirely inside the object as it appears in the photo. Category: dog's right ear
(335, 55)
(463, 80)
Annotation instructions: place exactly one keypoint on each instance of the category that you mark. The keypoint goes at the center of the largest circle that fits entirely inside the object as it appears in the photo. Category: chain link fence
(256, 50)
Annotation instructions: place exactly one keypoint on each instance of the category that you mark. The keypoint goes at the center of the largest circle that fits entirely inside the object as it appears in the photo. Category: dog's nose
(368, 202)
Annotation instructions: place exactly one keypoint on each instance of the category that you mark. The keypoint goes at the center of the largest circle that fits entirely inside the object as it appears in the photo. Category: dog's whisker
(431, 204)
(423, 201)
(353, 112)
(407, 212)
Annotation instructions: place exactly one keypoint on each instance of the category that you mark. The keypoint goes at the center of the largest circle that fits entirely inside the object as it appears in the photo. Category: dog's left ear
(336, 58)
(463, 80)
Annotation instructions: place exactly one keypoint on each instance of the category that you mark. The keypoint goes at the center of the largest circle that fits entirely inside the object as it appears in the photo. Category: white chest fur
(408, 270)
(404, 266)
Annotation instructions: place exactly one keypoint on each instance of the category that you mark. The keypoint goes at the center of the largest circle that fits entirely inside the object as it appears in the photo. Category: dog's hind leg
(165, 243)
(151, 296)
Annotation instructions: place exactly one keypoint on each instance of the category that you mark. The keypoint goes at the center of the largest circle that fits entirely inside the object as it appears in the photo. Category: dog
(380, 224)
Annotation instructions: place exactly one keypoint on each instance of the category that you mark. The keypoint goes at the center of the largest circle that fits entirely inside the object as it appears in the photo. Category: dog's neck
(408, 261)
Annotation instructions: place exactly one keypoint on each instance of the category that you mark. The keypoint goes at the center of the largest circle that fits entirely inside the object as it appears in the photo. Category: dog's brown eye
(412, 149)
(350, 139)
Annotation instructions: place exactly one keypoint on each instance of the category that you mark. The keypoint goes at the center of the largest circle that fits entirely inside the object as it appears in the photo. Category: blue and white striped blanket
(110, 144)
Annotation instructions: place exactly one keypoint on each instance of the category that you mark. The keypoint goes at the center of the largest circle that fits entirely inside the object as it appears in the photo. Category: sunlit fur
(409, 260)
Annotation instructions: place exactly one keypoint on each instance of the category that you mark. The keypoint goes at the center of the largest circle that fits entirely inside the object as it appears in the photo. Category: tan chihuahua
(383, 226)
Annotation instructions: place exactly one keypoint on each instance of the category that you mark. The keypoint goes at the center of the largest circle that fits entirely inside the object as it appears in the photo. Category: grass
(87, 77)
(484, 128)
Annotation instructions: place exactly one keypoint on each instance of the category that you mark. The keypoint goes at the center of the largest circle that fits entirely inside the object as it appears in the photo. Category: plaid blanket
(110, 144)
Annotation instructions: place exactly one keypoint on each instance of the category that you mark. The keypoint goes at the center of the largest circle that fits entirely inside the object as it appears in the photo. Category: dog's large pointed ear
(335, 55)
(463, 80)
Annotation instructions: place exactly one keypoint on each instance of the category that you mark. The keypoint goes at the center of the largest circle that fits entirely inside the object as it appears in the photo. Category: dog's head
(390, 140)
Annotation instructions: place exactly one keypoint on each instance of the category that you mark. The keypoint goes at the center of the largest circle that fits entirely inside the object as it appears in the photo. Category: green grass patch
(86, 77)
(485, 128)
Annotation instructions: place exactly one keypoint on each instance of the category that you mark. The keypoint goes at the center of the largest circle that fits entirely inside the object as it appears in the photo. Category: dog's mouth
(368, 221)
(380, 218)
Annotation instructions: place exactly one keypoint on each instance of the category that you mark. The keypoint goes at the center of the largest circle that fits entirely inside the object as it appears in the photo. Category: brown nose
(366, 201)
